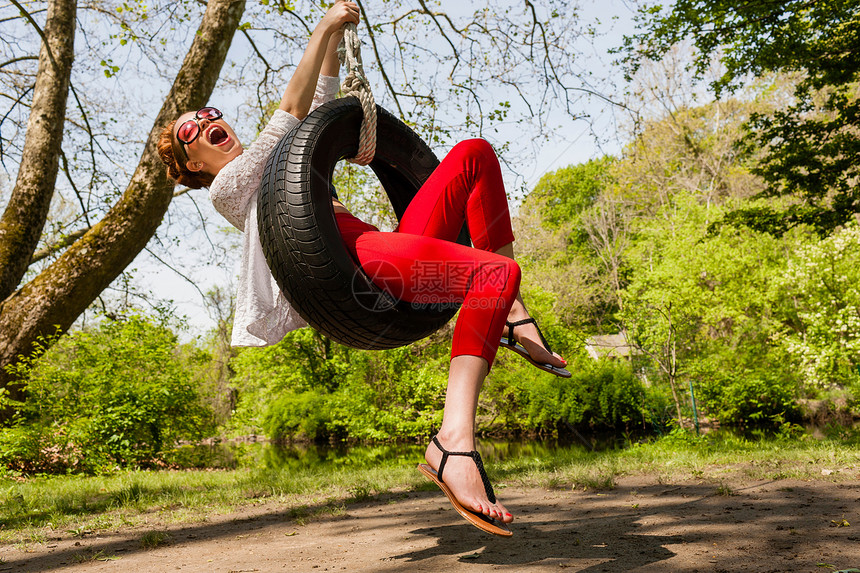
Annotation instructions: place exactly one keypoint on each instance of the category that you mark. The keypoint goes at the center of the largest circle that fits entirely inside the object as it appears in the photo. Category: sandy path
(774, 526)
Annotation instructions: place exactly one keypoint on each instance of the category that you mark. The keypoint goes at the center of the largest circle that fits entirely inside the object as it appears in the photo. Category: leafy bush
(297, 414)
(307, 387)
(820, 300)
(750, 399)
(117, 396)
(600, 395)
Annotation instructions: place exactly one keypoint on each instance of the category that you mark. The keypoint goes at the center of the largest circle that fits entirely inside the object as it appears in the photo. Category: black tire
(301, 241)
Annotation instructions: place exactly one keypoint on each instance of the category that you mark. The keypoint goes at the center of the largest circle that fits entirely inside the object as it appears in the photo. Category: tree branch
(22, 15)
(268, 68)
(71, 181)
(175, 270)
(283, 6)
(19, 59)
(6, 115)
(39, 31)
(441, 30)
(385, 77)
(59, 245)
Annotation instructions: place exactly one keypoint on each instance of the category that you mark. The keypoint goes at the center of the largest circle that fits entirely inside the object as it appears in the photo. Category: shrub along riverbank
(122, 395)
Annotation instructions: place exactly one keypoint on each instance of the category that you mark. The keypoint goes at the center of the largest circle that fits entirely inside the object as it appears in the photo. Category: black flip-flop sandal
(479, 520)
(509, 342)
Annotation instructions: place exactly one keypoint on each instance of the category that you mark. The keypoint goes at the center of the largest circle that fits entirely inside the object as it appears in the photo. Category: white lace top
(263, 315)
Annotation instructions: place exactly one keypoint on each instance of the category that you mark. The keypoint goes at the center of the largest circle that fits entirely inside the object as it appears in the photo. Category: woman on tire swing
(201, 150)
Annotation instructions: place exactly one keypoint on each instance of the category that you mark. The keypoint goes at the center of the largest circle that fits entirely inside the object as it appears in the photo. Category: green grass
(153, 539)
(40, 507)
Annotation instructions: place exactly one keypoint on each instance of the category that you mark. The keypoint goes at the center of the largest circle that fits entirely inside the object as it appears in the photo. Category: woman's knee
(515, 275)
(477, 148)
(501, 278)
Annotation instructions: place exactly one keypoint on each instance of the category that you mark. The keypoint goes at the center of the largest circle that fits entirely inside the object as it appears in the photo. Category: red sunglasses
(190, 130)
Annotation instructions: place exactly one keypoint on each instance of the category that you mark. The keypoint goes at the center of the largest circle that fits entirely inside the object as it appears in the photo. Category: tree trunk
(60, 293)
(24, 218)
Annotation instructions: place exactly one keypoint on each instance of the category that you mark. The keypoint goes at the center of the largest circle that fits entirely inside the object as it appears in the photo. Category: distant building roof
(609, 346)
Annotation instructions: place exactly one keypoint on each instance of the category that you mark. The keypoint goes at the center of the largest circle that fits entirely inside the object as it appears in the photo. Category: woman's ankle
(456, 439)
(518, 311)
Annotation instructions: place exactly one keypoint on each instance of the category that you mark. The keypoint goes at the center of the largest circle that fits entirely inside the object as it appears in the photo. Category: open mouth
(217, 135)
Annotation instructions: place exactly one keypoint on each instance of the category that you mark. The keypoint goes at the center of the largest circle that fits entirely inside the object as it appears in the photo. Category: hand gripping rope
(356, 84)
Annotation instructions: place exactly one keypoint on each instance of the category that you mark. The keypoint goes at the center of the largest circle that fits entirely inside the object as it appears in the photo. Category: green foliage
(398, 394)
(681, 438)
(564, 194)
(820, 304)
(296, 414)
(117, 396)
(287, 390)
(696, 304)
(602, 395)
(708, 306)
(555, 247)
(693, 151)
(756, 37)
(751, 398)
(812, 145)
(699, 307)
(307, 387)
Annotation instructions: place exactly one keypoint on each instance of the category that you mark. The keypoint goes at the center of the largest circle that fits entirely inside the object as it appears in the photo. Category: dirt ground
(763, 526)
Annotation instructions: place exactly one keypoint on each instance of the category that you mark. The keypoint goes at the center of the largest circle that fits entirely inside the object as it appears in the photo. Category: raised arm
(331, 64)
(319, 57)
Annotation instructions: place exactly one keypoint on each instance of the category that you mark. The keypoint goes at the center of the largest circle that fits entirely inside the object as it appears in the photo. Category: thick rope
(356, 84)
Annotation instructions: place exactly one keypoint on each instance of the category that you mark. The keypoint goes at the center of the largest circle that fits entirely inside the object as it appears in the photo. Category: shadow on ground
(767, 526)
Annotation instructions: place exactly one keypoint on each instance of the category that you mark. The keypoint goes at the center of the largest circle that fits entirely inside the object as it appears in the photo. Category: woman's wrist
(328, 28)
(342, 12)
(331, 62)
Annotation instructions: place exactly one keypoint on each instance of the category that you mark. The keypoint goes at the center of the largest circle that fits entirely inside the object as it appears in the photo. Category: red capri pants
(420, 262)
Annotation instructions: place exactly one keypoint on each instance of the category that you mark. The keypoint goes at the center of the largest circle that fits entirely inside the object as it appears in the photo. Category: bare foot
(527, 335)
(463, 479)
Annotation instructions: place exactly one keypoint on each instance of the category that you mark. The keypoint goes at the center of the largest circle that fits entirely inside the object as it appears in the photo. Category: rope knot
(356, 84)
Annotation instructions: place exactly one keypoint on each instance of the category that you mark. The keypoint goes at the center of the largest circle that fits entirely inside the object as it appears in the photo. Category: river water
(231, 455)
